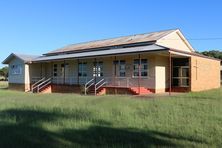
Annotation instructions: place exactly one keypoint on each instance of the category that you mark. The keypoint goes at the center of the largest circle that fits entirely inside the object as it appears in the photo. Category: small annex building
(154, 62)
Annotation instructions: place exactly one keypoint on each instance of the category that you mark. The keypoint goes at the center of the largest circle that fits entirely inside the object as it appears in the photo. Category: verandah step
(141, 90)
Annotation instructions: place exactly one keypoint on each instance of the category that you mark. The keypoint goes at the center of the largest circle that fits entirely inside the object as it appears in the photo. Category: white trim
(180, 54)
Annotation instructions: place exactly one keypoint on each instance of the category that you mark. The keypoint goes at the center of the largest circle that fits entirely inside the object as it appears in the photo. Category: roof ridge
(123, 36)
(60, 50)
(116, 38)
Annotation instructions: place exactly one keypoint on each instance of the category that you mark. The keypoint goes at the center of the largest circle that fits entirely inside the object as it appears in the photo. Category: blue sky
(38, 26)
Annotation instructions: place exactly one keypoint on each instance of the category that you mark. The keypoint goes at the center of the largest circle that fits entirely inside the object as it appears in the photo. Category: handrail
(88, 84)
(39, 81)
(34, 85)
(96, 88)
(101, 85)
(43, 84)
(99, 82)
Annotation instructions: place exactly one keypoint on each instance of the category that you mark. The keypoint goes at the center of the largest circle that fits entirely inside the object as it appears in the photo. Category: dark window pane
(176, 72)
(185, 82)
(136, 61)
(122, 74)
(136, 73)
(122, 61)
(115, 62)
(144, 73)
(144, 61)
(185, 72)
(145, 67)
(175, 82)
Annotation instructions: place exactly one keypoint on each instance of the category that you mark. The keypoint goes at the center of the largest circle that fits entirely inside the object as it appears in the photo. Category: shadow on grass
(23, 128)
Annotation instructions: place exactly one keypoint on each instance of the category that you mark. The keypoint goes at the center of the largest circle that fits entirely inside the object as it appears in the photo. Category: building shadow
(24, 129)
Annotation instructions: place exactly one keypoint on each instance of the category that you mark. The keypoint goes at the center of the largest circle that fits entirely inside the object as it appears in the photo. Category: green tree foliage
(4, 72)
(213, 53)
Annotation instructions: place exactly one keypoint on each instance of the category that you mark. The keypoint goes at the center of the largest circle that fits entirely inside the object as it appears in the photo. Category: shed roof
(115, 51)
(139, 38)
(23, 57)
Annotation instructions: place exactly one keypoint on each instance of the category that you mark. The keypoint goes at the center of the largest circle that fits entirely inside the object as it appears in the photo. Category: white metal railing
(125, 82)
(41, 85)
(99, 85)
(88, 85)
(36, 83)
(47, 82)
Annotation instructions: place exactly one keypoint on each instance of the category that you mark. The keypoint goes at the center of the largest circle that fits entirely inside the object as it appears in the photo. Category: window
(16, 69)
(143, 72)
(144, 68)
(98, 69)
(136, 67)
(181, 76)
(63, 67)
(121, 64)
(122, 68)
(82, 69)
(55, 70)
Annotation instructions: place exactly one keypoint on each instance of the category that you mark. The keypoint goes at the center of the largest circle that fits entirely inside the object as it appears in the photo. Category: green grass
(68, 120)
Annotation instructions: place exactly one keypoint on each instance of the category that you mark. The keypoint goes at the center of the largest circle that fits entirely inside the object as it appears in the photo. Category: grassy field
(56, 120)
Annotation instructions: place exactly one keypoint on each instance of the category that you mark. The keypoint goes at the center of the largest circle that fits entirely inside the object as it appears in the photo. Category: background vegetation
(213, 53)
(4, 73)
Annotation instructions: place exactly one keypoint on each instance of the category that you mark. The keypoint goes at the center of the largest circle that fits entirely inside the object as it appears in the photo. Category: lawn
(68, 120)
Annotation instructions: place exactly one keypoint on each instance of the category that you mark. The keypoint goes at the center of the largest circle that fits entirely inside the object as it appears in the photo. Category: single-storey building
(154, 62)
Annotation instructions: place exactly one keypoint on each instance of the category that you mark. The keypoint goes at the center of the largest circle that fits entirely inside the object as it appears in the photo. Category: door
(98, 69)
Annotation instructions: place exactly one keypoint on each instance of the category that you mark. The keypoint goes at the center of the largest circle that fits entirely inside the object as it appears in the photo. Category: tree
(4, 72)
(213, 53)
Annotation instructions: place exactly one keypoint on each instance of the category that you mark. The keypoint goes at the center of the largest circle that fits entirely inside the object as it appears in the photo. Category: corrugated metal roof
(23, 57)
(101, 53)
(148, 37)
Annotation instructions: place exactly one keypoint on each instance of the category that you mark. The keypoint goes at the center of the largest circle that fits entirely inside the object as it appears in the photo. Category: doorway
(98, 69)
(180, 73)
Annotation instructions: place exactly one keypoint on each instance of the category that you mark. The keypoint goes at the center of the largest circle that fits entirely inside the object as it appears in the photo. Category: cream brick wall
(175, 41)
(207, 75)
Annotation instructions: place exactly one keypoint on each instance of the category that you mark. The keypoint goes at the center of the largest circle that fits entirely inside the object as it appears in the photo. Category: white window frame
(119, 64)
(122, 69)
(142, 68)
(98, 69)
(16, 69)
(180, 76)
